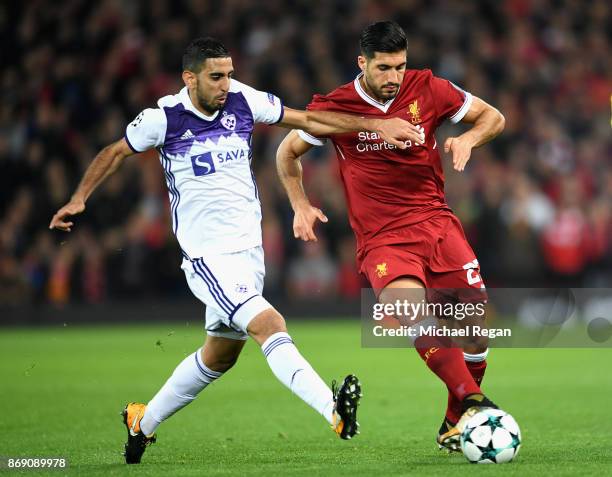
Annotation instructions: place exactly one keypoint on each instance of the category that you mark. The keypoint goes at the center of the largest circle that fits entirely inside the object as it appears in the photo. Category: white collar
(186, 100)
(368, 99)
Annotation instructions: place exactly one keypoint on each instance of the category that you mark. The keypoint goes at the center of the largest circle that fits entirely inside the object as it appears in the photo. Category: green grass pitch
(63, 388)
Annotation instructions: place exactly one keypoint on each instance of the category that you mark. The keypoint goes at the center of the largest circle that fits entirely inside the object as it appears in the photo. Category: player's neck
(366, 89)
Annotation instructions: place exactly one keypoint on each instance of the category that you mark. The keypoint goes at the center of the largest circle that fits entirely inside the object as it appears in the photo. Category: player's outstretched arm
(395, 131)
(104, 164)
(488, 123)
(289, 170)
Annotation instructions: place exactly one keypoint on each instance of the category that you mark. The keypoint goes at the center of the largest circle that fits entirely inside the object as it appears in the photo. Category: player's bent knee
(400, 294)
(404, 288)
(265, 324)
(222, 361)
(221, 364)
(220, 354)
(473, 343)
(476, 346)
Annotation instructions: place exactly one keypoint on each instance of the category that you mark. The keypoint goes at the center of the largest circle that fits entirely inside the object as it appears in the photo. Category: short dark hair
(199, 50)
(384, 37)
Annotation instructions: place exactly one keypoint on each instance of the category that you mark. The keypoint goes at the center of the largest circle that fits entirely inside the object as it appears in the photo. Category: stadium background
(535, 204)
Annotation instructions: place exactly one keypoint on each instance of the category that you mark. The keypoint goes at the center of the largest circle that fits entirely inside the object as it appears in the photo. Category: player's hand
(461, 150)
(304, 220)
(397, 131)
(58, 221)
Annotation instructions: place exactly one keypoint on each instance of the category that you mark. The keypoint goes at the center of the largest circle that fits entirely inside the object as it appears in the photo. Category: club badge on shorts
(381, 269)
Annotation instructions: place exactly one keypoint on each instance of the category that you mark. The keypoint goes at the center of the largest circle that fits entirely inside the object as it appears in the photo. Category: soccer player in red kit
(407, 236)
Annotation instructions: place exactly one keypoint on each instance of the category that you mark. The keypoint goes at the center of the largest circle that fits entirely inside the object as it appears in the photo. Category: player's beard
(205, 105)
(379, 93)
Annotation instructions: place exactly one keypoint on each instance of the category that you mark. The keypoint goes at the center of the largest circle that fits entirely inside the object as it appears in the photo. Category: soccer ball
(491, 436)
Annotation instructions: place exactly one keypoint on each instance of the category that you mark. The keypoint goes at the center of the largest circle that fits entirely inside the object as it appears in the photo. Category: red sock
(448, 364)
(477, 370)
(453, 409)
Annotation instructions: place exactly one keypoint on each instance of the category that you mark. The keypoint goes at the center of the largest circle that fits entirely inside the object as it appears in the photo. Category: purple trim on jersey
(180, 120)
(255, 185)
(282, 113)
(174, 193)
(130, 144)
(250, 141)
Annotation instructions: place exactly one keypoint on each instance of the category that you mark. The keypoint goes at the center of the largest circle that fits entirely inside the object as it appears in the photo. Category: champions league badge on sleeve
(228, 121)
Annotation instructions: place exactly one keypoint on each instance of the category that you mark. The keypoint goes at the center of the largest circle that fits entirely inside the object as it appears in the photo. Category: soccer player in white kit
(203, 136)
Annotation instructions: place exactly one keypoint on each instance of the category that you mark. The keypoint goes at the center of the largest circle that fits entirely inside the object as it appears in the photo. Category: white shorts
(230, 285)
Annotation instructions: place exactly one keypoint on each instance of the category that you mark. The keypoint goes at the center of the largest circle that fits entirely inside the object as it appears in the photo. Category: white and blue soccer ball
(491, 436)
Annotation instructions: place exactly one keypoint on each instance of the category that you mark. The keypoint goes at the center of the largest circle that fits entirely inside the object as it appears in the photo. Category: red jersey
(387, 188)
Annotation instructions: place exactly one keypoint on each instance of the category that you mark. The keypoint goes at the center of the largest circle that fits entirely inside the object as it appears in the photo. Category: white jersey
(214, 200)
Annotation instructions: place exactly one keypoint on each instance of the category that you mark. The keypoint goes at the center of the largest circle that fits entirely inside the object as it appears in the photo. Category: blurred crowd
(536, 203)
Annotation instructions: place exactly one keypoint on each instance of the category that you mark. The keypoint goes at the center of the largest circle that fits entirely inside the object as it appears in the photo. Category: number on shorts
(472, 272)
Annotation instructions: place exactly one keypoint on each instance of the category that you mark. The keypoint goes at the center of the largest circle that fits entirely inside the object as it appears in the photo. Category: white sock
(290, 367)
(476, 358)
(187, 380)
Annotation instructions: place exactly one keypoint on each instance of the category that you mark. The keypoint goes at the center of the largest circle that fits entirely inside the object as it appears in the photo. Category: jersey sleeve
(265, 107)
(147, 130)
(451, 101)
(318, 103)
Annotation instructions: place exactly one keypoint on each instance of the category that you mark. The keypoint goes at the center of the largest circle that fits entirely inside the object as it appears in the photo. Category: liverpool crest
(415, 113)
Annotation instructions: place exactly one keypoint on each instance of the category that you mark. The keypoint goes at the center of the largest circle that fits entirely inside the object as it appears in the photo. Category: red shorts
(434, 251)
